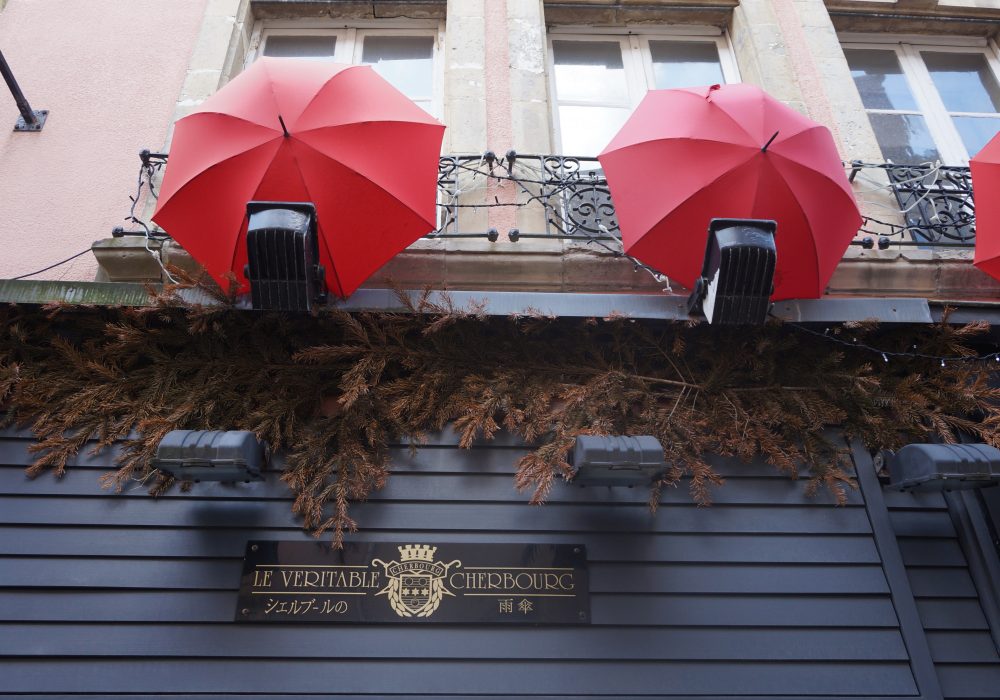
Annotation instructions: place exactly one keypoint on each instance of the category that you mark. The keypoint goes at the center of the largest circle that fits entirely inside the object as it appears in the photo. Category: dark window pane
(976, 132)
(405, 61)
(685, 64)
(590, 71)
(880, 79)
(319, 47)
(964, 81)
(904, 138)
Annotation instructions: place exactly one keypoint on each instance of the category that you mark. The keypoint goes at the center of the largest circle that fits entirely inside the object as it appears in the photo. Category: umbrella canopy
(293, 130)
(985, 167)
(688, 156)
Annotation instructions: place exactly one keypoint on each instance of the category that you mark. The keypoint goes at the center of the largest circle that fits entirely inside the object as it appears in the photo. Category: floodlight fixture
(617, 460)
(938, 467)
(211, 455)
(283, 257)
(737, 276)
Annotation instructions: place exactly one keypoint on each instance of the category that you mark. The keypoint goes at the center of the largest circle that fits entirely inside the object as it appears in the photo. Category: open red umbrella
(690, 155)
(985, 167)
(293, 130)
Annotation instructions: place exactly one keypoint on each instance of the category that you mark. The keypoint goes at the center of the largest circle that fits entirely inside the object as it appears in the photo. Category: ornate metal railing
(935, 202)
(564, 197)
(569, 193)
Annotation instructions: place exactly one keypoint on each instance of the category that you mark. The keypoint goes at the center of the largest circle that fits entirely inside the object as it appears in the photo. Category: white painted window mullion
(939, 124)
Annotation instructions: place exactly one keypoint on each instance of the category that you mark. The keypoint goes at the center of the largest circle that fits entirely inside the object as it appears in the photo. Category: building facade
(770, 592)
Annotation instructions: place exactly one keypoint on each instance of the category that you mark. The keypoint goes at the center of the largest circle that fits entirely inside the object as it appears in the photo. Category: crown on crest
(417, 552)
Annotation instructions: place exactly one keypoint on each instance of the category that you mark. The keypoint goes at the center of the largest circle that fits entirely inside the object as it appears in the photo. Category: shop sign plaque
(414, 583)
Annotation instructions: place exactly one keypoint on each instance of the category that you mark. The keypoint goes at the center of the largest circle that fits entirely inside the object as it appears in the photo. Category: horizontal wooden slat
(720, 578)
(934, 582)
(962, 647)
(510, 678)
(926, 551)
(17, 572)
(946, 614)
(443, 516)
(471, 487)
(321, 642)
(918, 523)
(969, 680)
(174, 543)
(477, 696)
(132, 605)
(928, 500)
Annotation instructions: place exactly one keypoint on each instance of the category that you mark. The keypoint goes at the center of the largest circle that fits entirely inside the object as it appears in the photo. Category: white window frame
(637, 60)
(907, 49)
(350, 42)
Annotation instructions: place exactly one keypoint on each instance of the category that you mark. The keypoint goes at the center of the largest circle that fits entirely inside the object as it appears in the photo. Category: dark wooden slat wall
(965, 656)
(766, 592)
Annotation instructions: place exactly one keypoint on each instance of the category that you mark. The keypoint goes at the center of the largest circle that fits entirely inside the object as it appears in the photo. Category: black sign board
(290, 582)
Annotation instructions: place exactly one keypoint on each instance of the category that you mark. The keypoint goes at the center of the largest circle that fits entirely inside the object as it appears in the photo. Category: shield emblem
(415, 591)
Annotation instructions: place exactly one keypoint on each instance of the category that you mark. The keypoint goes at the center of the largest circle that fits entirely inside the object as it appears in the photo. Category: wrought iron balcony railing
(935, 204)
(564, 197)
(569, 193)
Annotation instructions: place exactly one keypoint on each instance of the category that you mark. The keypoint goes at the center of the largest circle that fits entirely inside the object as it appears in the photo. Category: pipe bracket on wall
(30, 119)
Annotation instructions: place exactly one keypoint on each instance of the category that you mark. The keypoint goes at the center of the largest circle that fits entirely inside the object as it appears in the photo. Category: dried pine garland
(335, 390)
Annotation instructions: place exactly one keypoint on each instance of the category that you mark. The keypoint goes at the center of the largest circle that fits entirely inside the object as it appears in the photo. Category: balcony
(546, 222)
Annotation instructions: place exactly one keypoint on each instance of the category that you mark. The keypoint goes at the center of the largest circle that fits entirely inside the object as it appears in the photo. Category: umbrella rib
(408, 122)
(794, 162)
(754, 152)
(751, 150)
(329, 254)
(231, 116)
(731, 118)
(322, 87)
(274, 97)
(802, 212)
(366, 178)
(217, 164)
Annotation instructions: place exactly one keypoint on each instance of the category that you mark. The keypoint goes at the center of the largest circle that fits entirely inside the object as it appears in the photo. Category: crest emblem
(416, 581)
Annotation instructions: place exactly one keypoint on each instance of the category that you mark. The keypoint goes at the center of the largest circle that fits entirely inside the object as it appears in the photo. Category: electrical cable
(46, 269)
(886, 354)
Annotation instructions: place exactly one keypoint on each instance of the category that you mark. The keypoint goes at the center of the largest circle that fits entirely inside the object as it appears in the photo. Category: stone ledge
(348, 9)
(914, 273)
(715, 13)
(914, 17)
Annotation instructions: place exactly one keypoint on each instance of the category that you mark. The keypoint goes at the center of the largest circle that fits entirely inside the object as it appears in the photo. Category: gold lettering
(262, 578)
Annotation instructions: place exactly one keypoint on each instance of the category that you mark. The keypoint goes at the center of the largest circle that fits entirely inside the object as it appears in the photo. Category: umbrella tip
(711, 89)
(283, 127)
(769, 142)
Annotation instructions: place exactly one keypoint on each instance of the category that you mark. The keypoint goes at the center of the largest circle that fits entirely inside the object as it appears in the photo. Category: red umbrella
(985, 167)
(293, 130)
(687, 156)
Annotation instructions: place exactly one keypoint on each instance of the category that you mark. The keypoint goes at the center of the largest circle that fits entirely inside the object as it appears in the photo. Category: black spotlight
(738, 273)
(938, 467)
(617, 460)
(283, 254)
(211, 455)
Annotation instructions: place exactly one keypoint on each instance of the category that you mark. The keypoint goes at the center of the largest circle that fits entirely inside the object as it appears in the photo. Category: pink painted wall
(109, 72)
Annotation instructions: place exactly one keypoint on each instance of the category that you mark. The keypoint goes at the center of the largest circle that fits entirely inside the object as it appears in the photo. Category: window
(928, 102)
(406, 57)
(598, 79)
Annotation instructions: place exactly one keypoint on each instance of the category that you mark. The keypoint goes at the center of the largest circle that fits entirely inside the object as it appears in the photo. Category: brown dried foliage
(133, 374)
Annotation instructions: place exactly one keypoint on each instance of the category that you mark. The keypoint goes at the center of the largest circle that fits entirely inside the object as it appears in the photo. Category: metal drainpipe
(30, 119)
